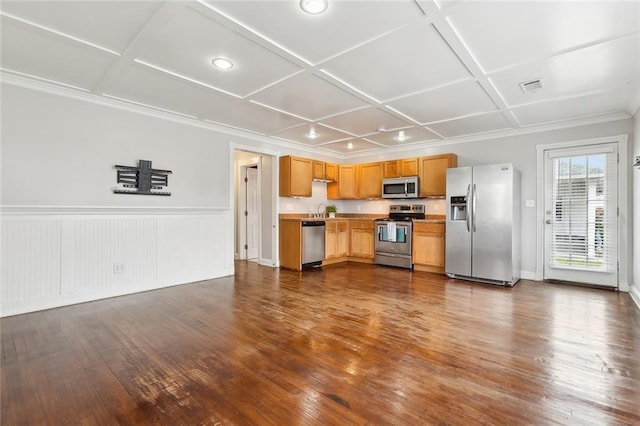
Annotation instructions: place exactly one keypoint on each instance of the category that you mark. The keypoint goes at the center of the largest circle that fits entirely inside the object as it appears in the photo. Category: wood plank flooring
(345, 344)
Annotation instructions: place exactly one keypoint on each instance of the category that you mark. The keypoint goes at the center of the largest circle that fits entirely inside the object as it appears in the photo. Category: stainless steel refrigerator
(483, 224)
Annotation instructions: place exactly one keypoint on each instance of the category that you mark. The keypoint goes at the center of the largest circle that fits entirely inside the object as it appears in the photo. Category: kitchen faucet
(318, 209)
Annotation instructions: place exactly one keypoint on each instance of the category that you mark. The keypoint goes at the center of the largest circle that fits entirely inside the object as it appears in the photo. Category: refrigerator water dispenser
(458, 208)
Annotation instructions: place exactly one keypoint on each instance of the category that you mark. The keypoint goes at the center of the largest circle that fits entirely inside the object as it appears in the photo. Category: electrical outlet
(118, 268)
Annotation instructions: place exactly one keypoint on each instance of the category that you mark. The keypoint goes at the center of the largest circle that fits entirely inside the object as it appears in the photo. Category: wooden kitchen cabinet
(331, 171)
(336, 242)
(369, 180)
(295, 176)
(345, 187)
(428, 246)
(319, 170)
(433, 174)
(400, 168)
(291, 244)
(361, 240)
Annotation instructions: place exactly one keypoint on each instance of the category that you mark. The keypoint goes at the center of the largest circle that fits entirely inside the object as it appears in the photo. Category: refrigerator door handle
(468, 212)
(473, 206)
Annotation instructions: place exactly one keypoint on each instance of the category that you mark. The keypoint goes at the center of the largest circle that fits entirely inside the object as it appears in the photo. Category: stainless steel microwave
(406, 187)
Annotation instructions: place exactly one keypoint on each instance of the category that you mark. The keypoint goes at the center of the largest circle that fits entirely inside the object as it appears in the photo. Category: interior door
(581, 215)
(253, 216)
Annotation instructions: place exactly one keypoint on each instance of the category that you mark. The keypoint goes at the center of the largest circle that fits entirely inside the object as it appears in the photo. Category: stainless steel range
(393, 235)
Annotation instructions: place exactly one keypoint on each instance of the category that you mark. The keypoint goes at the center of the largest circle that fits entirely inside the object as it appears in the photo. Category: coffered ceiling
(359, 73)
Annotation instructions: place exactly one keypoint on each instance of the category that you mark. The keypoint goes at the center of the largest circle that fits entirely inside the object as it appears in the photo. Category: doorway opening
(255, 206)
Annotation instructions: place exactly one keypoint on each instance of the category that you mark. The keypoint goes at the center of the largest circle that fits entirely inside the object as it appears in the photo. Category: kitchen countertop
(355, 216)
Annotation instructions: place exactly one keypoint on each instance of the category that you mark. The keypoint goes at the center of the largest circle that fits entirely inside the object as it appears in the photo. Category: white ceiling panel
(315, 38)
(365, 121)
(572, 108)
(245, 115)
(342, 147)
(110, 24)
(152, 87)
(483, 123)
(308, 96)
(502, 33)
(609, 64)
(445, 103)
(188, 43)
(32, 51)
(360, 66)
(409, 60)
(412, 135)
(300, 134)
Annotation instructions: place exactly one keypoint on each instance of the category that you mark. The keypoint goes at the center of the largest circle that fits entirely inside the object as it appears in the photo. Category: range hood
(323, 180)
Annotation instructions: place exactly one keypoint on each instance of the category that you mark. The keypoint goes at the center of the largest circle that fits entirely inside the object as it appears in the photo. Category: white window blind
(583, 219)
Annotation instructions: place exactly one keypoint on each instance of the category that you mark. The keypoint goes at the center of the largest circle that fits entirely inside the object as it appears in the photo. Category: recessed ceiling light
(401, 136)
(350, 145)
(314, 7)
(222, 63)
(312, 133)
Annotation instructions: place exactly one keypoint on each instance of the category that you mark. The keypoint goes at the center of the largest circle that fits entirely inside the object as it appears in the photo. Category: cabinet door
(409, 167)
(290, 244)
(342, 243)
(369, 179)
(295, 176)
(429, 249)
(390, 169)
(362, 241)
(319, 171)
(331, 171)
(433, 174)
(330, 240)
(345, 187)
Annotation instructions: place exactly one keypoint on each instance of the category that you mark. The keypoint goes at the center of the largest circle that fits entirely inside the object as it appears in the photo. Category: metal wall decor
(142, 180)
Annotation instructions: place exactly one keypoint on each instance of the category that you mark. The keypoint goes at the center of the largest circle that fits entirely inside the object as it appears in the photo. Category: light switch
(530, 203)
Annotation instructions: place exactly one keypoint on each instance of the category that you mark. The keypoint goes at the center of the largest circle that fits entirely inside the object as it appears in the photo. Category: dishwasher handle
(313, 223)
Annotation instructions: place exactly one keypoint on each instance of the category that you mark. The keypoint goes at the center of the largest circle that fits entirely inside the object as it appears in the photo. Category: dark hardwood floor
(346, 344)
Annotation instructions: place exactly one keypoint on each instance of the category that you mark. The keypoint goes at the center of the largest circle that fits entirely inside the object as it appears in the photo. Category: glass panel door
(581, 203)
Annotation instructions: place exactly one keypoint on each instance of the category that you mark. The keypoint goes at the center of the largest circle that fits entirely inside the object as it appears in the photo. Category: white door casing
(252, 217)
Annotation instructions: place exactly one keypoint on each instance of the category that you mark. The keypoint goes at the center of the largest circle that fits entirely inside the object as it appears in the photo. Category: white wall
(67, 238)
(521, 151)
(635, 284)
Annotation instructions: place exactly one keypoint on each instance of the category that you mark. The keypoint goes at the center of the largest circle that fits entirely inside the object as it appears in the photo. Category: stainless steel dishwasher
(312, 243)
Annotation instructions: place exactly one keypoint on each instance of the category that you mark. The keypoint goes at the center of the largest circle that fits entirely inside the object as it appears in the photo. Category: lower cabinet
(362, 241)
(336, 241)
(428, 246)
(291, 244)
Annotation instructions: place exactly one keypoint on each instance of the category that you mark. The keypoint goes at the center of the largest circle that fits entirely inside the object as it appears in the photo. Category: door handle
(475, 198)
(468, 210)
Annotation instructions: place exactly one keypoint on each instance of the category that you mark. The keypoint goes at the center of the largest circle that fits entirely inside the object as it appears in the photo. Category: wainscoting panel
(31, 260)
(54, 259)
(103, 255)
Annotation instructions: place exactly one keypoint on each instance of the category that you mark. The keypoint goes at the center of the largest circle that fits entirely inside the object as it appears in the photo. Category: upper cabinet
(322, 171)
(369, 180)
(363, 181)
(295, 176)
(433, 174)
(345, 187)
(400, 168)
